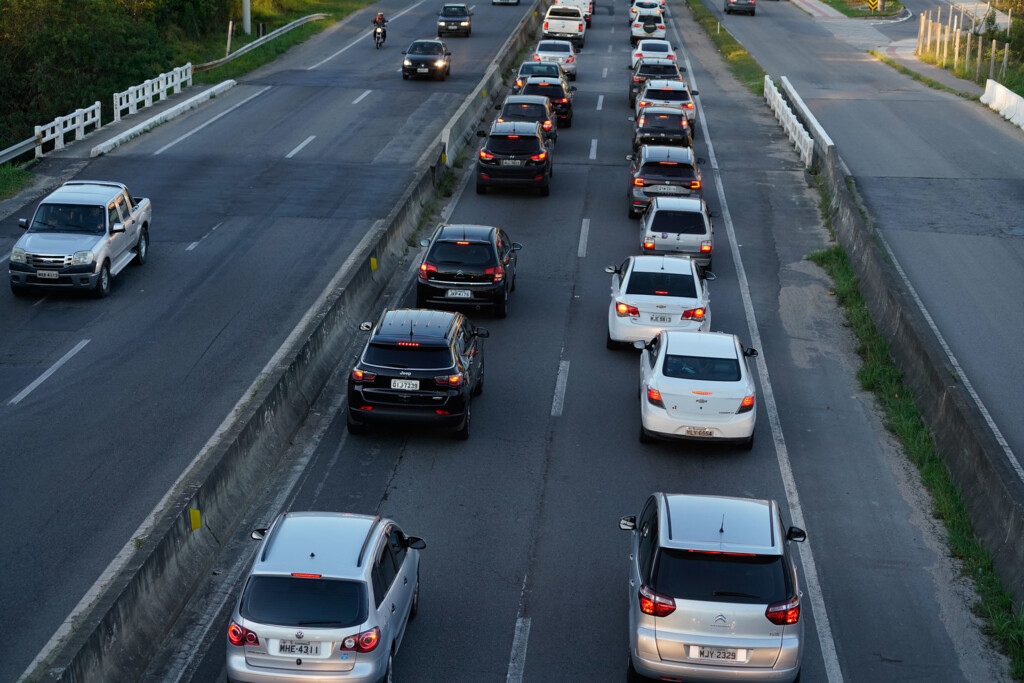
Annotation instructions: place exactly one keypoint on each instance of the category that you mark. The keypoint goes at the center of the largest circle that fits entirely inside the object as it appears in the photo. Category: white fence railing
(56, 130)
(1004, 101)
(796, 132)
(146, 91)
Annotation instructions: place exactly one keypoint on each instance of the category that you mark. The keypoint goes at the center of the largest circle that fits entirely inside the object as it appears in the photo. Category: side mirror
(701, 160)
(481, 332)
(516, 246)
(424, 243)
(750, 353)
(694, 93)
(629, 157)
(640, 344)
(714, 214)
(481, 134)
(23, 223)
(415, 542)
(796, 534)
(403, 52)
(117, 227)
(708, 275)
(258, 534)
(611, 269)
(572, 88)
(631, 118)
(628, 523)
(497, 107)
(365, 326)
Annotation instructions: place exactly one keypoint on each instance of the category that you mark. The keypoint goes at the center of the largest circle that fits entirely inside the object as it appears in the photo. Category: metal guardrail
(256, 43)
(15, 151)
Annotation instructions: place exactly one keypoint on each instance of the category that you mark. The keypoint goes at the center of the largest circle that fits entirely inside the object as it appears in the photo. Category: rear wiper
(731, 594)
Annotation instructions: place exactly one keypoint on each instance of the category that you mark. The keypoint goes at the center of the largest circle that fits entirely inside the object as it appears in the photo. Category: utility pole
(246, 17)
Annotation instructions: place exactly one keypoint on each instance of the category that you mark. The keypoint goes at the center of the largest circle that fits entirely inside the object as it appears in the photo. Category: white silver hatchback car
(651, 47)
(678, 225)
(713, 591)
(651, 293)
(561, 52)
(696, 385)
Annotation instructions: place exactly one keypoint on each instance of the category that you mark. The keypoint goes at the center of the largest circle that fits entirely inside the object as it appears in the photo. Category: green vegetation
(13, 179)
(743, 66)
(918, 77)
(859, 8)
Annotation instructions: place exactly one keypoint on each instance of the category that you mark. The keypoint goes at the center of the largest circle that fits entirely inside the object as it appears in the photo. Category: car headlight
(440, 22)
(465, 23)
(406, 62)
(18, 256)
(83, 258)
(439, 63)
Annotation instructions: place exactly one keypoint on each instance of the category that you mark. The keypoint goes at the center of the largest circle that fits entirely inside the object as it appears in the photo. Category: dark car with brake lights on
(658, 125)
(427, 58)
(554, 89)
(418, 366)
(514, 153)
(652, 67)
(530, 108)
(468, 265)
(659, 171)
(454, 18)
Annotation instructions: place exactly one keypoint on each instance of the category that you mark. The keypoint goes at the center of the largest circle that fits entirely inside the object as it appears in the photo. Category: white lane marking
(824, 628)
(364, 35)
(360, 98)
(1014, 462)
(302, 144)
(215, 118)
(5, 257)
(584, 233)
(196, 243)
(563, 378)
(593, 148)
(609, 48)
(600, 102)
(604, 73)
(517, 662)
(612, 30)
(43, 377)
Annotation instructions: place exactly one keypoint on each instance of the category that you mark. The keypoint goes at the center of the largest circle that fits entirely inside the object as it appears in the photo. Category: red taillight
(238, 635)
(366, 641)
(655, 603)
(622, 310)
(542, 156)
(519, 82)
(547, 125)
(408, 343)
(695, 185)
(571, 59)
(581, 28)
(545, 26)
(642, 120)
(449, 380)
(705, 247)
(639, 182)
(747, 404)
(661, 25)
(497, 273)
(648, 245)
(638, 55)
(536, 58)
(363, 376)
(426, 268)
(484, 154)
(688, 105)
(694, 314)
(654, 397)
(643, 104)
(637, 79)
(784, 613)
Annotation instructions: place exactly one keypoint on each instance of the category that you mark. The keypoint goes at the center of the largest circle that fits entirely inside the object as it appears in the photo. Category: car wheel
(415, 608)
(142, 248)
(610, 343)
(748, 444)
(633, 214)
(479, 388)
(631, 673)
(19, 290)
(102, 288)
(572, 76)
(481, 188)
(515, 272)
(583, 43)
(463, 432)
(441, 75)
(355, 427)
(545, 189)
(568, 122)
(501, 306)
(389, 673)
(645, 437)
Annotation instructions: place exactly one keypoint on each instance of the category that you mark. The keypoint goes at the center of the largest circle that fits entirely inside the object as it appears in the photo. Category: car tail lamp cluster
(656, 604)
(649, 245)
(784, 613)
(687, 105)
(705, 247)
(426, 269)
(366, 641)
(485, 155)
(362, 375)
(449, 380)
(623, 310)
(747, 404)
(654, 397)
(239, 635)
(694, 313)
(695, 184)
(497, 273)
(545, 26)
(538, 157)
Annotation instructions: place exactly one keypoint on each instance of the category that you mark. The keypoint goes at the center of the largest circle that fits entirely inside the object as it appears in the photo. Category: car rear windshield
(670, 170)
(405, 356)
(564, 13)
(654, 47)
(679, 222)
(291, 601)
(699, 368)
(472, 254)
(524, 112)
(718, 577)
(661, 284)
(554, 47)
(659, 71)
(545, 90)
(513, 144)
(668, 95)
(539, 69)
(664, 121)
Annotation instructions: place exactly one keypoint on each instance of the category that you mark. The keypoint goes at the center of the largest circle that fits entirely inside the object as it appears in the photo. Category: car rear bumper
(659, 423)
(702, 259)
(482, 295)
(657, 668)
(410, 415)
(534, 177)
(239, 671)
(626, 331)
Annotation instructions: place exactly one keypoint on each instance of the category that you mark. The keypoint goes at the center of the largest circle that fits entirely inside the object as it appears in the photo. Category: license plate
(290, 647)
(716, 653)
(661, 318)
(46, 274)
(459, 294)
(666, 189)
(422, 70)
(701, 431)
(405, 384)
(511, 162)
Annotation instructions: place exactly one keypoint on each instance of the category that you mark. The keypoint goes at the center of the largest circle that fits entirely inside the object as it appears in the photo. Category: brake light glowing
(539, 157)
(747, 404)
(237, 635)
(688, 105)
(661, 25)
(639, 182)
(513, 137)
(305, 576)
(449, 380)
(648, 245)
(571, 59)
(408, 343)
(462, 243)
(363, 376)
(545, 26)
(580, 28)
(642, 120)
(484, 154)
(623, 310)
(784, 613)
(366, 641)
(547, 125)
(500, 120)
(654, 397)
(701, 393)
(497, 273)
(427, 268)
(705, 247)
(655, 603)
(694, 314)
(695, 185)
(643, 103)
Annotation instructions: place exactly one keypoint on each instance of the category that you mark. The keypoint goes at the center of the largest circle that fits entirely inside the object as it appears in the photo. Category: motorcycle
(378, 36)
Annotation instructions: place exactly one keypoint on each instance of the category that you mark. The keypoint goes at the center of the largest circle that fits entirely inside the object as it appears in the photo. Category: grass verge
(931, 83)
(858, 9)
(13, 179)
(743, 66)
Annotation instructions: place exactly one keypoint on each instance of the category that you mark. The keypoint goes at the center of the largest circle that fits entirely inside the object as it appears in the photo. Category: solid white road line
(584, 233)
(517, 662)
(196, 243)
(43, 377)
(823, 626)
(215, 118)
(600, 102)
(559, 400)
(302, 144)
(593, 149)
(5, 257)
(360, 98)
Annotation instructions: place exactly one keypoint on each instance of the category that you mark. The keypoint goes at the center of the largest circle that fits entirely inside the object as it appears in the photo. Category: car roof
(683, 155)
(558, 42)
(669, 263)
(678, 204)
(654, 40)
(450, 232)
(548, 65)
(460, 5)
(527, 99)
(720, 524)
(85, 192)
(416, 324)
(706, 344)
(665, 84)
(515, 128)
(325, 543)
(661, 109)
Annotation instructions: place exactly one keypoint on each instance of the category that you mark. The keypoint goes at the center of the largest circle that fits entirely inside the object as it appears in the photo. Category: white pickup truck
(82, 234)
(586, 6)
(565, 22)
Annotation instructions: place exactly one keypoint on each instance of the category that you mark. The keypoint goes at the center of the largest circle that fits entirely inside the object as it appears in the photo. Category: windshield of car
(513, 144)
(554, 47)
(290, 601)
(425, 49)
(700, 368)
(545, 89)
(69, 218)
(659, 71)
(661, 284)
(664, 121)
(472, 254)
(718, 577)
(679, 222)
(416, 357)
(670, 170)
(667, 95)
(450, 11)
(524, 112)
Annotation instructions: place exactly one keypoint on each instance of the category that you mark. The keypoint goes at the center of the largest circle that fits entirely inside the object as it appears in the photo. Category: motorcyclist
(380, 21)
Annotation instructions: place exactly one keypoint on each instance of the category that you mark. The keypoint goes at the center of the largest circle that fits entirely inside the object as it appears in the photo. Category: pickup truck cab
(586, 6)
(567, 23)
(82, 234)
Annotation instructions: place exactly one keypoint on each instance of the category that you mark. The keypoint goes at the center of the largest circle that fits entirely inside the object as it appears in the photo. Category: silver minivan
(713, 592)
(678, 225)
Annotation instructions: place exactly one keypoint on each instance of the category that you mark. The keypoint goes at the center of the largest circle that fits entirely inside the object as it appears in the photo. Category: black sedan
(427, 58)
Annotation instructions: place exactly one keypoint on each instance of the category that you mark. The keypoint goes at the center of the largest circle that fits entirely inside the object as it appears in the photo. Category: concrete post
(992, 62)
(246, 17)
(945, 46)
(977, 64)
(956, 48)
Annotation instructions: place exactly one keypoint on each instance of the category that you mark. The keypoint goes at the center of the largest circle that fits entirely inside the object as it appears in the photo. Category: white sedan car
(652, 293)
(562, 52)
(651, 47)
(696, 385)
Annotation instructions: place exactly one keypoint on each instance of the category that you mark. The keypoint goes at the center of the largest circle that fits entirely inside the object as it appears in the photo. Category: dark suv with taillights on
(514, 153)
(657, 125)
(467, 265)
(662, 171)
(554, 89)
(418, 366)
